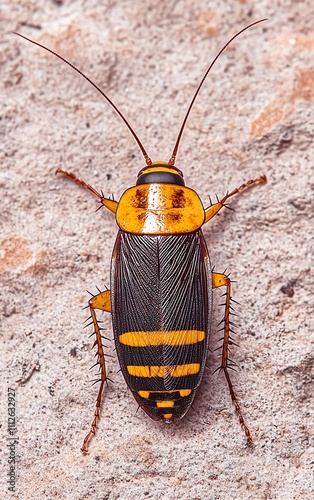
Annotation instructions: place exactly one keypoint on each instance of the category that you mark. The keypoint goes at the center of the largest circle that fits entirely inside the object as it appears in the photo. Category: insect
(161, 285)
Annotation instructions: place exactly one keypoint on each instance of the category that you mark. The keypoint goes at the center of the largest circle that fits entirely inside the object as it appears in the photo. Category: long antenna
(175, 150)
(147, 158)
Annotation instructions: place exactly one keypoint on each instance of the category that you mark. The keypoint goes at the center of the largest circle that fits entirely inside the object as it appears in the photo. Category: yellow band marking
(144, 394)
(183, 370)
(167, 415)
(160, 337)
(165, 404)
(154, 168)
(164, 371)
(183, 393)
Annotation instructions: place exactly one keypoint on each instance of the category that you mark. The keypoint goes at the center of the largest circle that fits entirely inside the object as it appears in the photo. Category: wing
(161, 299)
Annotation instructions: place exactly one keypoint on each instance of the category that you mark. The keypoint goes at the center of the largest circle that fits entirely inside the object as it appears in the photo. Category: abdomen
(161, 303)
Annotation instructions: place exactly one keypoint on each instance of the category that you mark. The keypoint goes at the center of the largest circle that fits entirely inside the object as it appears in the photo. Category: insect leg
(100, 301)
(219, 280)
(212, 210)
(110, 204)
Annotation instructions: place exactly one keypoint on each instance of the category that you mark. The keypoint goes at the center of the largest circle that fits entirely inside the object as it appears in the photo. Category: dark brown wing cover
(161, 283)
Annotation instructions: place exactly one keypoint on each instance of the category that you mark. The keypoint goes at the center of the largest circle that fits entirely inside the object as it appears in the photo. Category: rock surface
(254, 115)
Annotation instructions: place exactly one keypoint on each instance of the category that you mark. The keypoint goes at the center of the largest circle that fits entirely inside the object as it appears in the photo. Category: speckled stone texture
(254, 115)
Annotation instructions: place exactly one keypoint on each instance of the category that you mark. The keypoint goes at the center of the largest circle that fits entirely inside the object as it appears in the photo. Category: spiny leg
(110, 204)
(212, 210)
(219, 280)
(100, 301)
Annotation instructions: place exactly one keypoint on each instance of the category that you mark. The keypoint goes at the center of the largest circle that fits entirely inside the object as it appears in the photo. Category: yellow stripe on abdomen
(164, 371)
(164, 404)
(160, 337)
(182, 392)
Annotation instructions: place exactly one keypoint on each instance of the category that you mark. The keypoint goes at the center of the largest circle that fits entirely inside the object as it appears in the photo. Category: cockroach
(161, 283)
